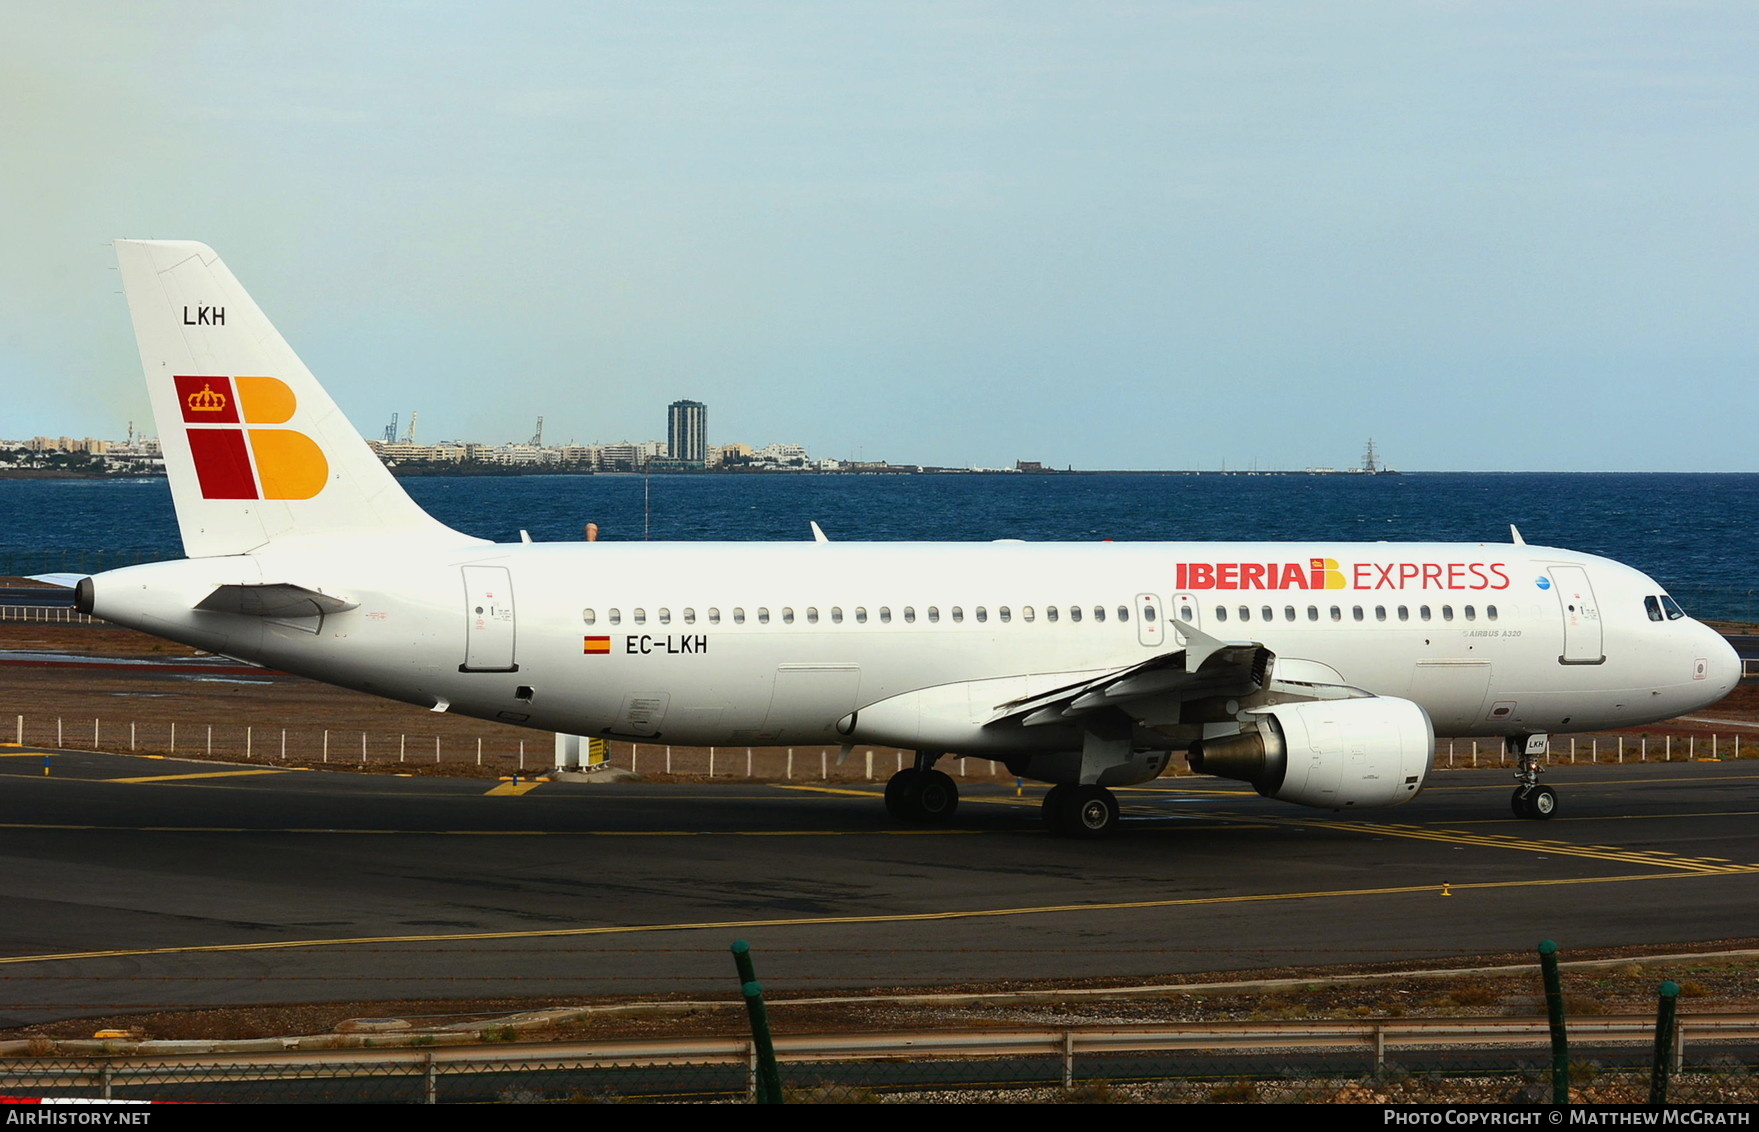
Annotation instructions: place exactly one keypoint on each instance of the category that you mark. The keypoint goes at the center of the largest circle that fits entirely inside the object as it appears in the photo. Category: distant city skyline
(1112, 235)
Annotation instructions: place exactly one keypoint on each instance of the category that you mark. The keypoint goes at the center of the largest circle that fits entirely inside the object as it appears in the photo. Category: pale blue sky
(1490, 235)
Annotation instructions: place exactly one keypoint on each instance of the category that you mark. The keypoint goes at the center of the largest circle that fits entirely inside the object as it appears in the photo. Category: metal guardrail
(46, 614)
(161, 1064)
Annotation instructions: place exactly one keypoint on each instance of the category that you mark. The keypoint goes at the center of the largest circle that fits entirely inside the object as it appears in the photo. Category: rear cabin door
(489, 624)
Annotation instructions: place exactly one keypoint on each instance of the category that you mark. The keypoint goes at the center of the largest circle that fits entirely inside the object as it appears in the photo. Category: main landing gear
(921, 795)
(1088, 812)
(1530, 800)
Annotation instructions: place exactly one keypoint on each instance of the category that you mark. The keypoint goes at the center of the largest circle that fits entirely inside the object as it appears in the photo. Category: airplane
(1320, 674)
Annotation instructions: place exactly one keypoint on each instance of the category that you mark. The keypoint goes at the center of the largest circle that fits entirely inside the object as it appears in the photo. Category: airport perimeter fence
(1049, 1068)
(462, 754)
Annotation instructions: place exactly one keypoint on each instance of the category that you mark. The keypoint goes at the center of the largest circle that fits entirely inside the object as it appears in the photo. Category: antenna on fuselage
(1515, 536)
(817, 535)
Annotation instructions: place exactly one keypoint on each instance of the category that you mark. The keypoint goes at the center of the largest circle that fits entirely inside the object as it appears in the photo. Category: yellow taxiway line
(828, 921)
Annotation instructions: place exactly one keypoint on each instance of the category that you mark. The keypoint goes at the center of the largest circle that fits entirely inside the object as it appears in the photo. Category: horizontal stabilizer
(66, 581)
(274, 599)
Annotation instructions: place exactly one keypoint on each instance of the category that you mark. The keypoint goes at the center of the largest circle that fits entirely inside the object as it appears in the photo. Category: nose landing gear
(1530, 800)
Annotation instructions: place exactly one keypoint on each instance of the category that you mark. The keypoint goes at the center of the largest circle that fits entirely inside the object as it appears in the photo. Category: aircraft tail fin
(256, 451)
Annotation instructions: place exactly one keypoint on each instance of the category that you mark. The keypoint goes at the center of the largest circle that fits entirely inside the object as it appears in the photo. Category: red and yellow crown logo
(207, 401)
(248, 462)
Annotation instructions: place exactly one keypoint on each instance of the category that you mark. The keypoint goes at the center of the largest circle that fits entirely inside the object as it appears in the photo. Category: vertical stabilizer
(255, 450)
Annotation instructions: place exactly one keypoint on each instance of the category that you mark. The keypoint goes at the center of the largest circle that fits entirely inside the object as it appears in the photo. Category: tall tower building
(687, 431)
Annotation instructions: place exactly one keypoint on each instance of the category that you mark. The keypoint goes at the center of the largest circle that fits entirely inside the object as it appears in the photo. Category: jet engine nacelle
(1334, 754)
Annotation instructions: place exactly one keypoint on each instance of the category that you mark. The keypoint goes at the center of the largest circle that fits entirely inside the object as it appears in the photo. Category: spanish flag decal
(596, 646)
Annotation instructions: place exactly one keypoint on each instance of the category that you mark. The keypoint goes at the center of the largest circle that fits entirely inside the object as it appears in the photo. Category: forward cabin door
(489, 625)
(1583, 642)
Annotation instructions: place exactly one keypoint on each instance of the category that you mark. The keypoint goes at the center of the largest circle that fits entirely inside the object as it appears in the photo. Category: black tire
(1090, 813)
(1518, 802)
(898, 793)
(933, 798)
(1051, 812)
(1542, 803)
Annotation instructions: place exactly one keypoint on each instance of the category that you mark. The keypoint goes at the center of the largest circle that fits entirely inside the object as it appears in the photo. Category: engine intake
(1334, 754)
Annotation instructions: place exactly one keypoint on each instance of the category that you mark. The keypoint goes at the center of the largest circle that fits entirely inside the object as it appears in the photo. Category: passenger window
(836, 615)
(958, 613)
(1337, 614)
(589, 616)
(1245, 613)
(861, 615)
(1313, 613)
(1099, 613)
(738, 615)
(714, 615)
(1404, 613)
(1288, 613)
(763, 615)
(787, 615)
(1221, 613)
(909, 615)
(982, 613)
(1447, 613)
(1147, 612)
(615, 617)
(639, 617)
(1380, 613)
(1050, 613)
(1123, 613)
(1490, 613)
(1074, 613)
(1356, 612)
(665, 615)
(689, 615)
(1002, 613)
(1266, 614)
(885, 615)
(934, 614)
(1026, 613)
(1186, 613)
(1471, 614)
(812, 615)
(1423, 613)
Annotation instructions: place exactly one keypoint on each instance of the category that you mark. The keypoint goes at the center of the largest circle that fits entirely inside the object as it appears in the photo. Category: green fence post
(1554, 1010)
(769, 1078)
(1662, 1067)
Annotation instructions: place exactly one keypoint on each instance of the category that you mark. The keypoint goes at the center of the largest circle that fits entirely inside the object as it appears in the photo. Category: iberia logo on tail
(234, 457)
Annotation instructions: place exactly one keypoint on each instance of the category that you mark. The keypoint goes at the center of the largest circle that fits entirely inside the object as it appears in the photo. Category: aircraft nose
(1723, 665)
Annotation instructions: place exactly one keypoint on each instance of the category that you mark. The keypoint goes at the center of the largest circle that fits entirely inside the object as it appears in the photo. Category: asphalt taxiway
(141, 883)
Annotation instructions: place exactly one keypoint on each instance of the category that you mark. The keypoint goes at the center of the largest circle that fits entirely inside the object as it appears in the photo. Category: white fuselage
(773, 643)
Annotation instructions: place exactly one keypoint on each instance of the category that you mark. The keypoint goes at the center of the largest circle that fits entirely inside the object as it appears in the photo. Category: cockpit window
(1674, 612)
(1652, 606)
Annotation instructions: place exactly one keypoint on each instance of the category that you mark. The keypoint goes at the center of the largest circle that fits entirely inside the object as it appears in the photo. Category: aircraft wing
(1204, 667)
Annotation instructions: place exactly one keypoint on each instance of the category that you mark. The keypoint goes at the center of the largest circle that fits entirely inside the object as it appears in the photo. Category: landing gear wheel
(1051, 812)
(1534, 803)
(898, 791)
(1091, 812)
(933, 798)
(921, 797)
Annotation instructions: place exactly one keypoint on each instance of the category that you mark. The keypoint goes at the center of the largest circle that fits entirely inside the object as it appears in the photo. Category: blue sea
(1693, 532)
